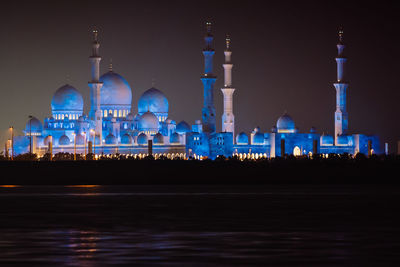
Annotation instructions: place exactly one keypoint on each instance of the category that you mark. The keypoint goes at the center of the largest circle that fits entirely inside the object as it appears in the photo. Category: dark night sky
(283, 54)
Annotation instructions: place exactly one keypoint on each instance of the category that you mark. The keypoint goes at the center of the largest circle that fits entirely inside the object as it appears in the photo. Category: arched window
(120, 113)
(115, 113)
(296, 151)
(105, 113)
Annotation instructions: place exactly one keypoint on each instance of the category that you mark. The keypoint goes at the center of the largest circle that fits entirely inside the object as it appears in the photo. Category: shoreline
(374, 170)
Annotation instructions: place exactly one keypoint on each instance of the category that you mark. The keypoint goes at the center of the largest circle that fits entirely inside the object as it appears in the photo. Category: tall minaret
(208, 79)
(228, 119)
(341, 117)
(95, 85)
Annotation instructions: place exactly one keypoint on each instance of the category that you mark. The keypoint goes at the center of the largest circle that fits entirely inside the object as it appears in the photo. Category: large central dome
(115, 91)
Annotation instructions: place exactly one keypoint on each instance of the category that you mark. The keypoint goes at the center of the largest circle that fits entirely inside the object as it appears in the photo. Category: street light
(74, 134)
(30, 134)
(84, 143)
(12, 142)
(94, 141)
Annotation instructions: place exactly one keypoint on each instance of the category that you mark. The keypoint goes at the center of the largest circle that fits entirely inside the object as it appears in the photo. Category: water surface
(199, 225)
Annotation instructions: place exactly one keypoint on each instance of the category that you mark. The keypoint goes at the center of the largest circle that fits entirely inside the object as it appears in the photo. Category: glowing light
(83, 186)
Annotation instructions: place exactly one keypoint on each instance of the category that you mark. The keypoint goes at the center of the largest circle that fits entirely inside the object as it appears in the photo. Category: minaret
(208, 79)
(95, 85)
(341, 117)
(228, 119)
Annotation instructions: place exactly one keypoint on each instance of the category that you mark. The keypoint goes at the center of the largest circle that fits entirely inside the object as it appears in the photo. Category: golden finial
(228, 41)
(208, 26)
(341, 34)
(95, 34)
(110, 67)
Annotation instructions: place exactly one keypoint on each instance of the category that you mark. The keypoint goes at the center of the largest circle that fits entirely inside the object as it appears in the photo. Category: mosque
(111, 126)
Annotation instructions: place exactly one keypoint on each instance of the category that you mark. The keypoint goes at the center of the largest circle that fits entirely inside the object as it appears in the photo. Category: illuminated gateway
(112, 127)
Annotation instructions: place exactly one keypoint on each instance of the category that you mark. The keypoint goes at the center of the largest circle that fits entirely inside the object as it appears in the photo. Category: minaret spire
(110, 66)
(228, 119)
(208, 79)
(95, 85)
(341, 116)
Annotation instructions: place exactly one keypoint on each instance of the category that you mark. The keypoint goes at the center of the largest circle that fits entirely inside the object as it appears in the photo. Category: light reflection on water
(198, 226)
(79, 248)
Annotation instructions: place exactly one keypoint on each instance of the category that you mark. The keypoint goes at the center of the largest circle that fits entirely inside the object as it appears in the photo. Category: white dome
(64, 140)
(142, 139)
(67, 98)
(111, 139)
(285, 124)
(34, 126)
(153, 100)
(183, 127)
(148, 121)
(115, 91)
(242, 139)
(158, 139)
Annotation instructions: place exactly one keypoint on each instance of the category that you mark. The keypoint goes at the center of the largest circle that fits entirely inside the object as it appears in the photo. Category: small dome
(256, 130)
(111, 140)
(148, 121)
(342, 140)
(168, 121)
(51, 119)
(174, 138)
(274, 129)
(285, 124)
(80, 139)
(242, 139)
(158, 139)
(153, 100)
(115, 90)
(183, 127)
(64, 140)
(197, 122)
(81, 119)
(258, 139)
(126, 139)
(142, 139)
(33, 126)
(47, 140)
(67, 98)
(326, 140)
(313, 130)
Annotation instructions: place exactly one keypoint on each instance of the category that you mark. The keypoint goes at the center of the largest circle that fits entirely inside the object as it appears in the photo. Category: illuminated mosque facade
(112, 127)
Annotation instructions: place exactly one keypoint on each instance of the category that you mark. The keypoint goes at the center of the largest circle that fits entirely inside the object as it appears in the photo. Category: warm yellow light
(83, 186)
(9, 185)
